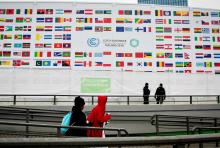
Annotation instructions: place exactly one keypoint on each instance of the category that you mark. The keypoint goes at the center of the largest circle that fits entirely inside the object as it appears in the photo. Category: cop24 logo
(93, 42)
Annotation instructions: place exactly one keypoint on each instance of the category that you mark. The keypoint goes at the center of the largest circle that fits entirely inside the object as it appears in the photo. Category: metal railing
(178, 141)
(58, 127)
(123, 99)
(184, 123)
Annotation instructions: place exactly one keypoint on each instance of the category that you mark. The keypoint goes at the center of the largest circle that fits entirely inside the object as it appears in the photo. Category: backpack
(65, 122)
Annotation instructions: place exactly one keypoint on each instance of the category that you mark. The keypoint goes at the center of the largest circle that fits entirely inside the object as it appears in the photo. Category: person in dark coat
(160, 94)
(78, 118)
(146, 93)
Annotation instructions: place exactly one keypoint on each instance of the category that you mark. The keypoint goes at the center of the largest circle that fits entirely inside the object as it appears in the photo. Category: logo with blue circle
(93, 42)
(134, 42)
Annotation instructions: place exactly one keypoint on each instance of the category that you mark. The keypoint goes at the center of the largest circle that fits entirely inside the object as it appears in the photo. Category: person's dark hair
(161, 84)
(79, 102)
(146, 84)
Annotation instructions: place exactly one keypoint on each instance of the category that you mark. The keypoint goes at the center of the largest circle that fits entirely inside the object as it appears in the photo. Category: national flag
(205, 13)
(39, 45)
(128, 54)
(148, 64)
(196, 13)
(66, 28)
(66, 54)
(28, 11)
(177, 13)
(47, 45)
(79, 11)
(146, 12)
(186, 55)
(159, 55)
(178, 46)
(26, 45)
(125, 12)
(187, 64)
(205, 30)
(167, 30)
(168, 46)
(17, 45)
(98, 63)
(25, 53)
(177, 21)
(9, 11)
(16, 62)
(119, 29)
(168, 55)
(79, 63)
(2, 28)
(168, 65)
(57, 54)
(48, 28)
(215, 14)
(19, 19)
(118, 20)
(119, 54)
(6, 54)
(49, 11)
(26, 37)
(39, 63)
(159, 38)
(217, 55)
(186, 30)
(207, 55)
(198, 47)
(58, 37)
(68, 11)
(65, 63)
(47, 37)
(88, 11)
(179, 64)
(109, 29)
(8, 28)
(39, 28)
(59, 28)
(58, 45)
(138, 12)
(59, 11)
(48, 20)
(119, 63)
(217, 64)
(38, 54)
(178, 55)
(98, 28)
(207, 47)
(185, 21)
(166, 13)
(47, 63)
(208, 64)
(216, 47)
(159, 29)
(160, 64)
(2, 11)
(139, 55)
(66, 36)
(204, 22)
(215, 22)
(215, 30)
(8, 36)
(7, 45)
(216, 39)
(107, 11)
(158, 12)
(41, 11)
(186, 38)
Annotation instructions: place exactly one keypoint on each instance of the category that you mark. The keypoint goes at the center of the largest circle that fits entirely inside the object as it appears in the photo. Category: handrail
(109, 141)
(182, 121)
(127, 98)
(119, 130)
(197, 128)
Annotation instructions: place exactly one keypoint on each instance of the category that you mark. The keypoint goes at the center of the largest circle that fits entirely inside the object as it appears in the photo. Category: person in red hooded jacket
(97, 117)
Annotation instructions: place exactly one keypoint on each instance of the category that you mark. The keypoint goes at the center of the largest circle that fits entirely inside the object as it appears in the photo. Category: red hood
(102, 101)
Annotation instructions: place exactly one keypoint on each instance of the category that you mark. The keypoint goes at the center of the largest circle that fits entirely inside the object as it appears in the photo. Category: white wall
(37, 81)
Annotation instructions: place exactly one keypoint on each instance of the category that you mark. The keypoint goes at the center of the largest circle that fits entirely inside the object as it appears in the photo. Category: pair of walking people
(96, 118)
(160, 94)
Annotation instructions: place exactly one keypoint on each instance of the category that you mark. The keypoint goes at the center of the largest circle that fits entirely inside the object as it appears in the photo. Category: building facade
(165, 2)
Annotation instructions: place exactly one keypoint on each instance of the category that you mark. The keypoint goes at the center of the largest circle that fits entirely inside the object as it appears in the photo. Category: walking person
(78, 118)
(146, 93)
(97, 117)
(160, 94)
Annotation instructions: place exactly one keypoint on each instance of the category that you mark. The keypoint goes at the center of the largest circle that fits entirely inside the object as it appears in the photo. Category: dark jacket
(78, 118)
(160, 93)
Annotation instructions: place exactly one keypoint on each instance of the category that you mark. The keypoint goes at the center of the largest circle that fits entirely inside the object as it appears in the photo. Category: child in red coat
(97, 117)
